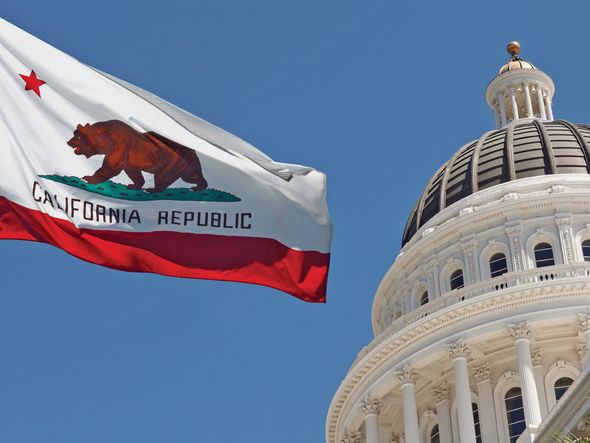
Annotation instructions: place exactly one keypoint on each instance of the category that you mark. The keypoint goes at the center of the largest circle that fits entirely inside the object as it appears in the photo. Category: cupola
(520, 91)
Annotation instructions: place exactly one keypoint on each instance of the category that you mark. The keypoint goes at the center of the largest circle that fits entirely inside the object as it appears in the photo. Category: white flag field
(121, 178)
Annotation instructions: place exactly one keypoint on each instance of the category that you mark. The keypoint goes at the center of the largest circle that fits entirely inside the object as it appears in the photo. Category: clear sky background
(377, 94)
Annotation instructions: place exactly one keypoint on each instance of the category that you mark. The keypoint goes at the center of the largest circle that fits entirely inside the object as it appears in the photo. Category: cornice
(455, 222)
(392, 349)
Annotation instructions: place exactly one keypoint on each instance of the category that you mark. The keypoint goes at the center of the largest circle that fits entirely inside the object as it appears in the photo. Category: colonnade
(459, 352)
(504, 116)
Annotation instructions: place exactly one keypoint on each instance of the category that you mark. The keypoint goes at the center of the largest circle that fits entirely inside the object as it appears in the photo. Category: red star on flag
(32, 82)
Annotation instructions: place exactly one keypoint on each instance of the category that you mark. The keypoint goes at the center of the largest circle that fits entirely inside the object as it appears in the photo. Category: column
(443, 412)
(371, 408)
(500, 99)
(530, 398)
(564, 226)
(487, 415)
(351, 437)
(538, 373)
(514, 105)
(514, 232)
(407, 378)
(497, 115)
(584, 325)
(540, 102)
(527, 99)
(459, 352)
(548, 106)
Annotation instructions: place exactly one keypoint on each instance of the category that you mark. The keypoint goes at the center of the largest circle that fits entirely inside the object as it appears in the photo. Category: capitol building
(482, 324)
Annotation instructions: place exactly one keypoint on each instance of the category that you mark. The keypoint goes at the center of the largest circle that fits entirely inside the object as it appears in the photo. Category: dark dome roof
(525, 148)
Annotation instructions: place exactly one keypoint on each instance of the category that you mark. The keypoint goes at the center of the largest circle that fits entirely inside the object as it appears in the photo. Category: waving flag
(119, 177)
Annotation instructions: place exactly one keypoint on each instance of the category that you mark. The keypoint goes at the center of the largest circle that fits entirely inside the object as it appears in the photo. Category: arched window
(514, 413)
(586, 250)
(424, 298)
(561, 386)
(476, 422)
(457, 279)
(544, 255)
(434, 436)
(498, 265)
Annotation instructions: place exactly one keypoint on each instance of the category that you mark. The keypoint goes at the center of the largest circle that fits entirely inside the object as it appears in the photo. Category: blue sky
(377, 94)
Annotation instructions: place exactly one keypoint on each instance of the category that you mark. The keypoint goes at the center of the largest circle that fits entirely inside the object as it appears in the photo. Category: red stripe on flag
(256, 260)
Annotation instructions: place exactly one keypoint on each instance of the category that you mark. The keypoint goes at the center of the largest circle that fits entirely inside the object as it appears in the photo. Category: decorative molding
(432, 270)
(441, 393)
(351, 437)
(584, 322)
(536, 357)
(407, 375)
(581, 350)
(468, 248)
(514, 232)
(509, 376)
(458, 350)
(519, 331)
(428, 414)
(564, 225)
(482, 373)
(563, 222)
(370, 406)
(560, 363)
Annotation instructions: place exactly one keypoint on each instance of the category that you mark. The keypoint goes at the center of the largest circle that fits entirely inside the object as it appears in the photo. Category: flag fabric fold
(119, 177)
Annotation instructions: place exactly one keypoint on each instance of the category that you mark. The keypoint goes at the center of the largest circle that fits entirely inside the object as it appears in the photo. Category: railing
(508, 280)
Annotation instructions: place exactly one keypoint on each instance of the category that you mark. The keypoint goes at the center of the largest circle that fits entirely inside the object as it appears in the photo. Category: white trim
(580, 237)
(507, 381)
(561, 368)
(450, 266)
(486, 254)
(543, 236)
(419, 288)
(428, 420)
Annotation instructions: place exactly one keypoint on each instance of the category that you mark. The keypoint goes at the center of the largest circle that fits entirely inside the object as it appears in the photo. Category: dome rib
(445, 179)
(525, 148)
(546, 145)
(509, 150)
(580, 137)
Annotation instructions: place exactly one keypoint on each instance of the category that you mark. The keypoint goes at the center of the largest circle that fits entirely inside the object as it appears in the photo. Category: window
(476, 422)
(544, 255)
(498, 265)
(514, 414)
(457, 279)
(434, 437)
(586, 250)
(424, 298)
(561, 386)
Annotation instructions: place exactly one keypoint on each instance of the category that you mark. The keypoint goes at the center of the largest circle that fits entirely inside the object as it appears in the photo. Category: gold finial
(513, 48)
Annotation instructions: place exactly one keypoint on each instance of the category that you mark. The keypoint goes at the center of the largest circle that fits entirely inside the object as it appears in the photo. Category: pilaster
(487, 416)
(468, 247)
(564, 226)
(443, 412)
(517, 253)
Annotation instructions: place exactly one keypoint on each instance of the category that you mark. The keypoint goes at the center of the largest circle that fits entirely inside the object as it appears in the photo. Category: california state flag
(121, 178)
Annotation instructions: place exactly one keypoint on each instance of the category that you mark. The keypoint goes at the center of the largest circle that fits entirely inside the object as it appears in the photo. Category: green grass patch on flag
(117, 190)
